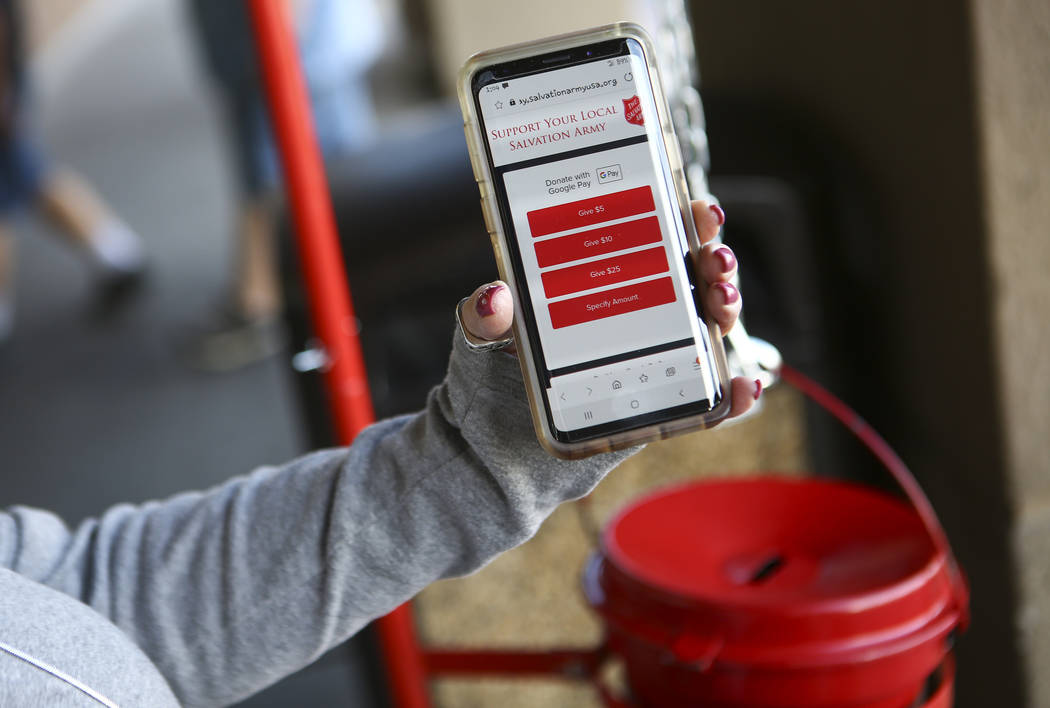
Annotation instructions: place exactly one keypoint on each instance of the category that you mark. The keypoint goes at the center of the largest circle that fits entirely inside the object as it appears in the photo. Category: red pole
(328, 293)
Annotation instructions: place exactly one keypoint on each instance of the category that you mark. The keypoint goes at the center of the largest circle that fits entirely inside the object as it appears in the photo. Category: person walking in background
(58, 193)
(339, 40)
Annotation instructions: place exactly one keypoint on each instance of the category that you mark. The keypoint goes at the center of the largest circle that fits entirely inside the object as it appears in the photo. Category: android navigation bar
(627, 388)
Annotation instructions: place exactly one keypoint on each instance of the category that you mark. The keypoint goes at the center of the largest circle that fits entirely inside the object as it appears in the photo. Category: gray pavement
(94, 414)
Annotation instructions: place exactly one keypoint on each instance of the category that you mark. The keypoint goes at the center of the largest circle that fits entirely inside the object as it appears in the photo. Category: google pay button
(612, 173)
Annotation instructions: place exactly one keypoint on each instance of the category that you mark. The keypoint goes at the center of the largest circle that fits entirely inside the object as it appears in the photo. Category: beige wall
(1013, 80)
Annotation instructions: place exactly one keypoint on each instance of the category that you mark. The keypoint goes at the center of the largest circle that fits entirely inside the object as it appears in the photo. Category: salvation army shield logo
(632, 110)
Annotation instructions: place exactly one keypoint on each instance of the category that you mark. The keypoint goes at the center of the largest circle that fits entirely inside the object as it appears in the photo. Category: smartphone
(585, 200)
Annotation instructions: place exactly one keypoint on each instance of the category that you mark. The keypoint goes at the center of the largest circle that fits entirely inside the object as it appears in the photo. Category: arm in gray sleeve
(231, 589)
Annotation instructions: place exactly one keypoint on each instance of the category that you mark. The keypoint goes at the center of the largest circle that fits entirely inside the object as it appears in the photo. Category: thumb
(488, 312)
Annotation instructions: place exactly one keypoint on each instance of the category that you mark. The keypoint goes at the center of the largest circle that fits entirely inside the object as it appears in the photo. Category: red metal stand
(328, 293)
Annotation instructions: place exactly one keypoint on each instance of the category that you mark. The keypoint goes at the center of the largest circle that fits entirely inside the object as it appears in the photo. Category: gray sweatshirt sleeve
(231, 589)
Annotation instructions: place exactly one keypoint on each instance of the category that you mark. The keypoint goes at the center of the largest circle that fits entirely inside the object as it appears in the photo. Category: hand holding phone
(487, 314)
(584, 197)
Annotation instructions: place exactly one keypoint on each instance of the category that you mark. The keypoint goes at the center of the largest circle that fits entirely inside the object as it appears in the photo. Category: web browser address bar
(594, 87)
(530, 95)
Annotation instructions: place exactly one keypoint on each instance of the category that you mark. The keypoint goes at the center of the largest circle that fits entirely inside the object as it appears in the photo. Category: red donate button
(591, 211)
(605, 272)
(595, 242)
(611, 302)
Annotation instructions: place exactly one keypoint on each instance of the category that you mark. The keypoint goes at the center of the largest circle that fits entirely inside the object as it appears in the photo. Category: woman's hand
(488, 312)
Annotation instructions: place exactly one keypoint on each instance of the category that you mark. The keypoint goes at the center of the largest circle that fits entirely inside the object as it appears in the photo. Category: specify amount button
(609, 303)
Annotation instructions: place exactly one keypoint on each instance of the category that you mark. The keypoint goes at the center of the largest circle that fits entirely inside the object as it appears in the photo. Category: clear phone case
(494, 223)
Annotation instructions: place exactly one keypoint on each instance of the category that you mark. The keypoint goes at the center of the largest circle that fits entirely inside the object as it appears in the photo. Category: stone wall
(1012, 39)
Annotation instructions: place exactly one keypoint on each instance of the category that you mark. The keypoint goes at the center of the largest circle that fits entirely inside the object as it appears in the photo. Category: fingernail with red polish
(727, 257)
(758, 389)
(729, 293)
(485, 305)
(719, 214)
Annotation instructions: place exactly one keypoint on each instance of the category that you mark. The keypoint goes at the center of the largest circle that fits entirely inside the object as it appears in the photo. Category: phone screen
(596, 235)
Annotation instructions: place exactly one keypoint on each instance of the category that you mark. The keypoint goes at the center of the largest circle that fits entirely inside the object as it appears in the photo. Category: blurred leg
(82, 217)
(247, 328)
(257, 292)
